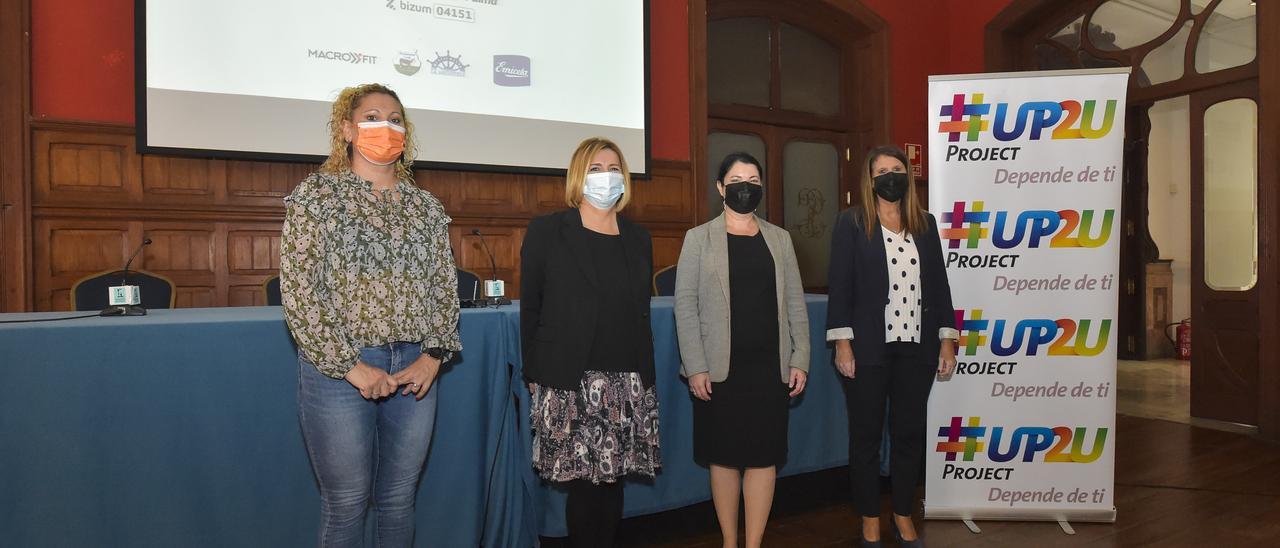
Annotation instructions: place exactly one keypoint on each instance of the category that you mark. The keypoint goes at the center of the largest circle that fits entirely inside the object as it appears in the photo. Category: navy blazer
(858, 283)
(557, 280)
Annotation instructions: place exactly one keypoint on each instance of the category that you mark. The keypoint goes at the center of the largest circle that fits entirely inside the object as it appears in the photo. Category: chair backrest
(469, 285)
(664, 282)
(271, 288)
(90, 292)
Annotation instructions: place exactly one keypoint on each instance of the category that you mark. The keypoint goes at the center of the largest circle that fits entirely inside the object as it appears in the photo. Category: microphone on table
(125, 299)
(494, 289)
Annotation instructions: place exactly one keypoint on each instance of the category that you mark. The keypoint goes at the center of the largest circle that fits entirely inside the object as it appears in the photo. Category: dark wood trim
(59, 124)
(777, 117)
(1268, 61)
(1179, 88)
(698, 107)
(15, 172)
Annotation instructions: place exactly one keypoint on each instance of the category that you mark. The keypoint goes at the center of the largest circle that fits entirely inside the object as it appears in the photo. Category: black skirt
(745, 423)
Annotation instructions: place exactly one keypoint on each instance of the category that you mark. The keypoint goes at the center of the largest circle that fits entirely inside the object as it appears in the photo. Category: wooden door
(1224, 243)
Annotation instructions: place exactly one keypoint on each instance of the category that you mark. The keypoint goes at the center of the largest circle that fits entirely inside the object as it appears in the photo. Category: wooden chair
(664, 282)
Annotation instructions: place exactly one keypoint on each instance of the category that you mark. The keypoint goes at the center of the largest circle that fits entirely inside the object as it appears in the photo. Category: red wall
(926, 37)
(82, 61)
(82, 66)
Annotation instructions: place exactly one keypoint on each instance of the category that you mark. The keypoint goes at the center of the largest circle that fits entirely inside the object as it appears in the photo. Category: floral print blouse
(359, 269)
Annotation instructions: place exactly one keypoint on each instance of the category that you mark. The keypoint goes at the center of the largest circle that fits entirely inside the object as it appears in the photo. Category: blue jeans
(360, 447)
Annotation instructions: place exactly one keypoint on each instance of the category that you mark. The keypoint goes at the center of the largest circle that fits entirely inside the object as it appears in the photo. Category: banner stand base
(1059, 515)
(973, 527)
(1066, 527)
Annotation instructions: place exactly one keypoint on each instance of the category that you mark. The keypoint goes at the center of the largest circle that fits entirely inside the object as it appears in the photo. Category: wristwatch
(435, 352)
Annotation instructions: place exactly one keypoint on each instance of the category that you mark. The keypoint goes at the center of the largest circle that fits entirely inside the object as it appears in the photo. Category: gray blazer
(702, 301)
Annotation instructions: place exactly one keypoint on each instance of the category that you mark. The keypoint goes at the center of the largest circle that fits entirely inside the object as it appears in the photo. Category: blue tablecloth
(180, 428)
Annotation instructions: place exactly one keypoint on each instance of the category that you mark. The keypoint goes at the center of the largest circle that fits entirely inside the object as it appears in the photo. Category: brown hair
(913, 216)
(576, 175)
(344, 108)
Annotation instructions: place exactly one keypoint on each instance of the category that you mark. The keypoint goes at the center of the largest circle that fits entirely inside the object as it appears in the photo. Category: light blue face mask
(603, 189)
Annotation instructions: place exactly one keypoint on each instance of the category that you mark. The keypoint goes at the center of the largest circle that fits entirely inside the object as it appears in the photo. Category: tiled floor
(1161, 389)
(1156, 389)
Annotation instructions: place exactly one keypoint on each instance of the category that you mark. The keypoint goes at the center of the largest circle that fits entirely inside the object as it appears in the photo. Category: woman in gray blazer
(744, 346)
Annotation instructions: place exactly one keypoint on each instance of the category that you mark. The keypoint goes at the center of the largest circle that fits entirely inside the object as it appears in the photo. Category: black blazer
(557, 278)
(859, 288)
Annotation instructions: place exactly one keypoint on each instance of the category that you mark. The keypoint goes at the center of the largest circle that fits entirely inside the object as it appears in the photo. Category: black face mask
(891, 186)
(743, 197)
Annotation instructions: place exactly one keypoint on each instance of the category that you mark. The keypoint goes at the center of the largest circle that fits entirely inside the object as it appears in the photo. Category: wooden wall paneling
(254, 183)
(546, 195)
(469, 253)
(667, 196)
(468, 194)
(252, 254)
(15, 204)
(184, 180)
(84, 167)
(65, 250)
(215, 224)
(666, 247)
(186, 253)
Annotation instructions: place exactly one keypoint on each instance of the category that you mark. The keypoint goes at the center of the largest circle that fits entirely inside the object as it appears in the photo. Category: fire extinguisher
(1181, 339)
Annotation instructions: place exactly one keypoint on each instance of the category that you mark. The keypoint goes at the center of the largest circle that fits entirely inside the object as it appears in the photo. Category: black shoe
(869, 543)
(897, 535)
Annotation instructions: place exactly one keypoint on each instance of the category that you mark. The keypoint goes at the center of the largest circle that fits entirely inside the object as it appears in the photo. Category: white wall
(1169, 194)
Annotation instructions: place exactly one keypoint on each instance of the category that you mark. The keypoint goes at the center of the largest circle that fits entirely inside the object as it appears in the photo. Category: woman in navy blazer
(892, 323)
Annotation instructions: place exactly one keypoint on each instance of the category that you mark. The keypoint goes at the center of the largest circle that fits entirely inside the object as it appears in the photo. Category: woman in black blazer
(587, 343)
(892, 323)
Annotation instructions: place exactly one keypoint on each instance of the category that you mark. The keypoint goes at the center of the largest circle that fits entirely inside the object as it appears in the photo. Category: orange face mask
(379, 142)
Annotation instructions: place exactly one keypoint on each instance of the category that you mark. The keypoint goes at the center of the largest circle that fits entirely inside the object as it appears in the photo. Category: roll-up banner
(1025, 174)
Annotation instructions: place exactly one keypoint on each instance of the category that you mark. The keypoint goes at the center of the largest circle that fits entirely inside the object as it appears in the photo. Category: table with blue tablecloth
(180, 428)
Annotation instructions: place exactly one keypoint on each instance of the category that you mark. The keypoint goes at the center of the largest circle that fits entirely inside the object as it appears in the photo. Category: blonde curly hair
(344, 108)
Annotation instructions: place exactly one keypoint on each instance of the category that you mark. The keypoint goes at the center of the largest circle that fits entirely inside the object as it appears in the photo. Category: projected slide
(489, 84)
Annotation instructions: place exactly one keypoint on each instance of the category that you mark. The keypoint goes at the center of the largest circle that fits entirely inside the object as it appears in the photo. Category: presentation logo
(1026, 337)
(1069, 119)
(511, 70)
(353, 57)
(408, 63)
(448, 64)
(966, 224)
(1026, 443)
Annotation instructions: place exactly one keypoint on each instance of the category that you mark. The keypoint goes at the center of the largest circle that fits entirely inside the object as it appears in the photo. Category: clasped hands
(374, 383)
(700, 384)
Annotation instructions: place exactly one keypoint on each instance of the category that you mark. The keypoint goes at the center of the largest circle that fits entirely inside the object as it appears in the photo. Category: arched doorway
(1200, 174)
(787, 80)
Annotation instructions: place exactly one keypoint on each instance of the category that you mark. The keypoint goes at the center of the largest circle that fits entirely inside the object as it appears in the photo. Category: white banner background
(1030, 399)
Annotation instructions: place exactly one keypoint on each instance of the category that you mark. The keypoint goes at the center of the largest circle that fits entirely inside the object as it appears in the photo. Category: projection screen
(491, 85)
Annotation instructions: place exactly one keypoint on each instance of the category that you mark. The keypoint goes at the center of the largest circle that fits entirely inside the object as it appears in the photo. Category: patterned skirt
(606, 429)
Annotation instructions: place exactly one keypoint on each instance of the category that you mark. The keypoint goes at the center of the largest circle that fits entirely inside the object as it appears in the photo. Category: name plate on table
(124, 295)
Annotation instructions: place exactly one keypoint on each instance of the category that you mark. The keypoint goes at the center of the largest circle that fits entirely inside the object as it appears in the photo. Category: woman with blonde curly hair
(368, 286)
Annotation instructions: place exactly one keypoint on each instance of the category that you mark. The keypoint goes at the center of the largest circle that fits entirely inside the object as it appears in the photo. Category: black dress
(745, 423)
